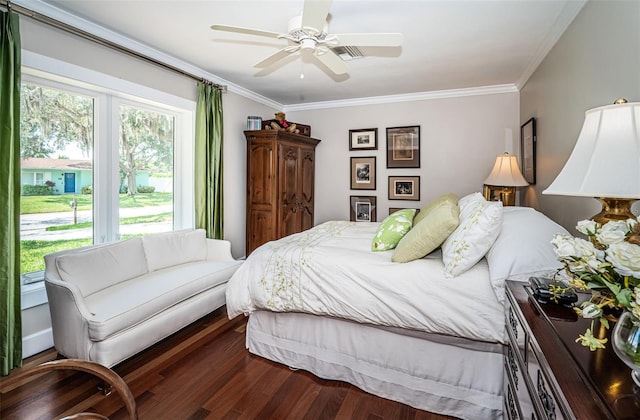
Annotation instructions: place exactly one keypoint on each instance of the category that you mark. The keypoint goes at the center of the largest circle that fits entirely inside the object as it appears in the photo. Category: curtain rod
(105, 42)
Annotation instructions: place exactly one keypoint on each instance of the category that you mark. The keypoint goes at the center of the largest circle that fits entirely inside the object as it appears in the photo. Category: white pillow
(480, 223)
(173, 248)
(523, 248)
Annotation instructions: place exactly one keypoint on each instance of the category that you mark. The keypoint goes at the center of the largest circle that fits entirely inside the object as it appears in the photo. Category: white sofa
(110, 301)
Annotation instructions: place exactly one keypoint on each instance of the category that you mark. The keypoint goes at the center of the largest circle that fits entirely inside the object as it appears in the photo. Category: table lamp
(503, 180)
(605, 162)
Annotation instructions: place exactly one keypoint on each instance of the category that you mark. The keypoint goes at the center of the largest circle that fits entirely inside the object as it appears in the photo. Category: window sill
(33, 294)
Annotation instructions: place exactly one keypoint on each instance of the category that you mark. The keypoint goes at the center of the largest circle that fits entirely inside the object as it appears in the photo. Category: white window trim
(53, 70)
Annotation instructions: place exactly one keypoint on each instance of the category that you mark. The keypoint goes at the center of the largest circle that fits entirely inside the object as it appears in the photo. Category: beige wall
(459, 141)
(594, 62)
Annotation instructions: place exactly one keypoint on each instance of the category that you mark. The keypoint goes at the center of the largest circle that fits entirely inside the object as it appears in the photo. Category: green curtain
(208, 161)
(10, 315)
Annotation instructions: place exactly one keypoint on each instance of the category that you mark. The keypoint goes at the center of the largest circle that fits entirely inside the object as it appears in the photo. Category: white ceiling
(447, 44)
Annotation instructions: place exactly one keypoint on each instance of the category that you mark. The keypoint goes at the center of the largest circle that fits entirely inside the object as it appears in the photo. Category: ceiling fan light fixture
(307, 44)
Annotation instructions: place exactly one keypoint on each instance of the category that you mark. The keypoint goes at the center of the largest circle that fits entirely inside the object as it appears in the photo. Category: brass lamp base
(505, 194)
(614, 209)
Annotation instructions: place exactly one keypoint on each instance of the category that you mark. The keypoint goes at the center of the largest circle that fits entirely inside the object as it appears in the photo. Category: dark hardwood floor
(201, 372)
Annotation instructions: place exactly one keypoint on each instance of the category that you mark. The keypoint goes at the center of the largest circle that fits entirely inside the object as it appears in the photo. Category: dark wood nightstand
(550, 376)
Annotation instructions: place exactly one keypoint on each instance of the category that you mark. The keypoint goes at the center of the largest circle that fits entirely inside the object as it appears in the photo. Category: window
(146, 170)
(99, 163)
(56, 144)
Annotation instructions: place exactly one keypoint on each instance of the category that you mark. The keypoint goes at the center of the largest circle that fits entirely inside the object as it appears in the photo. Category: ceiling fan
(308, 33)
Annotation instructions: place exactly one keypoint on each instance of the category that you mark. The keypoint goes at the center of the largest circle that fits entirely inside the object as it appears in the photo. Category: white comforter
(330, 270)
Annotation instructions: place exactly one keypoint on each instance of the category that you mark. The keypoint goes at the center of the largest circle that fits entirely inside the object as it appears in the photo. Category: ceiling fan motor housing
(296, 30)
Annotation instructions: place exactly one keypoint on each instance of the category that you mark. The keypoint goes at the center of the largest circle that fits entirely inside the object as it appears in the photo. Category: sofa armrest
(219, 250)
(69, 318)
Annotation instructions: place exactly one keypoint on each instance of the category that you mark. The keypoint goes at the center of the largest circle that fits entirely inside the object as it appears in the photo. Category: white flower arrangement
(608, 264)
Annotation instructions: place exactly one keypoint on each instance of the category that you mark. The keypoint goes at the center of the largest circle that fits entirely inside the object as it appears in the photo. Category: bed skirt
(444, 375)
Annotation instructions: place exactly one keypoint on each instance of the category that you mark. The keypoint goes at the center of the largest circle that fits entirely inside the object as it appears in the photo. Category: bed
(414, 332)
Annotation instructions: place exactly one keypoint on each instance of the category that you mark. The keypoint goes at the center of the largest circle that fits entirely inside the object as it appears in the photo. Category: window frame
(109, 92)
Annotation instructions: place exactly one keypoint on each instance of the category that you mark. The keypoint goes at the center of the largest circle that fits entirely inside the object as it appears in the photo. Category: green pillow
(452, 198)
(392, 229)
(429, 233)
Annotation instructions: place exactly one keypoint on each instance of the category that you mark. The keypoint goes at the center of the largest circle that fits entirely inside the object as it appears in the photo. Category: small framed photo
(528, 150)
(395, 209)
(403, 147)
(363, 139)
(363, 173)
(404, 188)
(363, 208)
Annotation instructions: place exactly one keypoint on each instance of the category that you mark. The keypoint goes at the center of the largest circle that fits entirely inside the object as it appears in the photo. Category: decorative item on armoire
(280, 123)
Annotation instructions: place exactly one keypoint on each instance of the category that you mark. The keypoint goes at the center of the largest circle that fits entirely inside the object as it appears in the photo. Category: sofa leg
(106, 388)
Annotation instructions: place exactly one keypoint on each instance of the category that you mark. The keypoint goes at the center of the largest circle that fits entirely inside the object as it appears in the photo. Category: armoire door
(261, 194)
(289, 189)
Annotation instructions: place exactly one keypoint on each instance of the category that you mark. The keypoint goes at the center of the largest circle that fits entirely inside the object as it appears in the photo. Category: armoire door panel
(260, 186)
(260, 228)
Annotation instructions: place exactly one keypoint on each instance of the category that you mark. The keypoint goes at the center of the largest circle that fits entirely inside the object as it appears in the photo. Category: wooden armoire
(280, 179)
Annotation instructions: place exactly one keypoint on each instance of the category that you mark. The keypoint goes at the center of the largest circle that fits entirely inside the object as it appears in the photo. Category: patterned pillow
(480, 224)
(392, 229)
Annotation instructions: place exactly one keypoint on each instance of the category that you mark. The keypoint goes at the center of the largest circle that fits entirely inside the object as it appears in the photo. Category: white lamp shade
(506, 173)
(605, 161)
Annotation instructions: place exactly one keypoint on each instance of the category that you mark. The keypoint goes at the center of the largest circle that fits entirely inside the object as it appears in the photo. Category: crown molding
(566, 16)
(109, 35)
(409, 97)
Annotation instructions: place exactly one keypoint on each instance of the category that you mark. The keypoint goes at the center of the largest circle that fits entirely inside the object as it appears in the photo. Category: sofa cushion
(174, 248)
(126, 304)
(102, 266)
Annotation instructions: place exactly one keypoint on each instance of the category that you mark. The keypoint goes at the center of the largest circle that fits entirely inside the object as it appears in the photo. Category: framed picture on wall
(363, 139)
(403, 147)
(395, 209)
(528, 150)
(363, 208)
(363, 173)
(404, 188)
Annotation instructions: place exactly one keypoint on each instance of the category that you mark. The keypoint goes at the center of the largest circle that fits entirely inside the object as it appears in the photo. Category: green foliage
(32, 252)
(28, 190)
(87, 189)
(51, 119)
(146, 142)
(60, 203)
(152, 218)
(146, 189)
(52, 204)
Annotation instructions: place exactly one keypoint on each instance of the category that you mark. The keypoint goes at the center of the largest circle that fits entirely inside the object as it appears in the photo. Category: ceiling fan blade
(370, 40)
(314, 14)
(275, 57)
(242, 30)
(333, 62)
